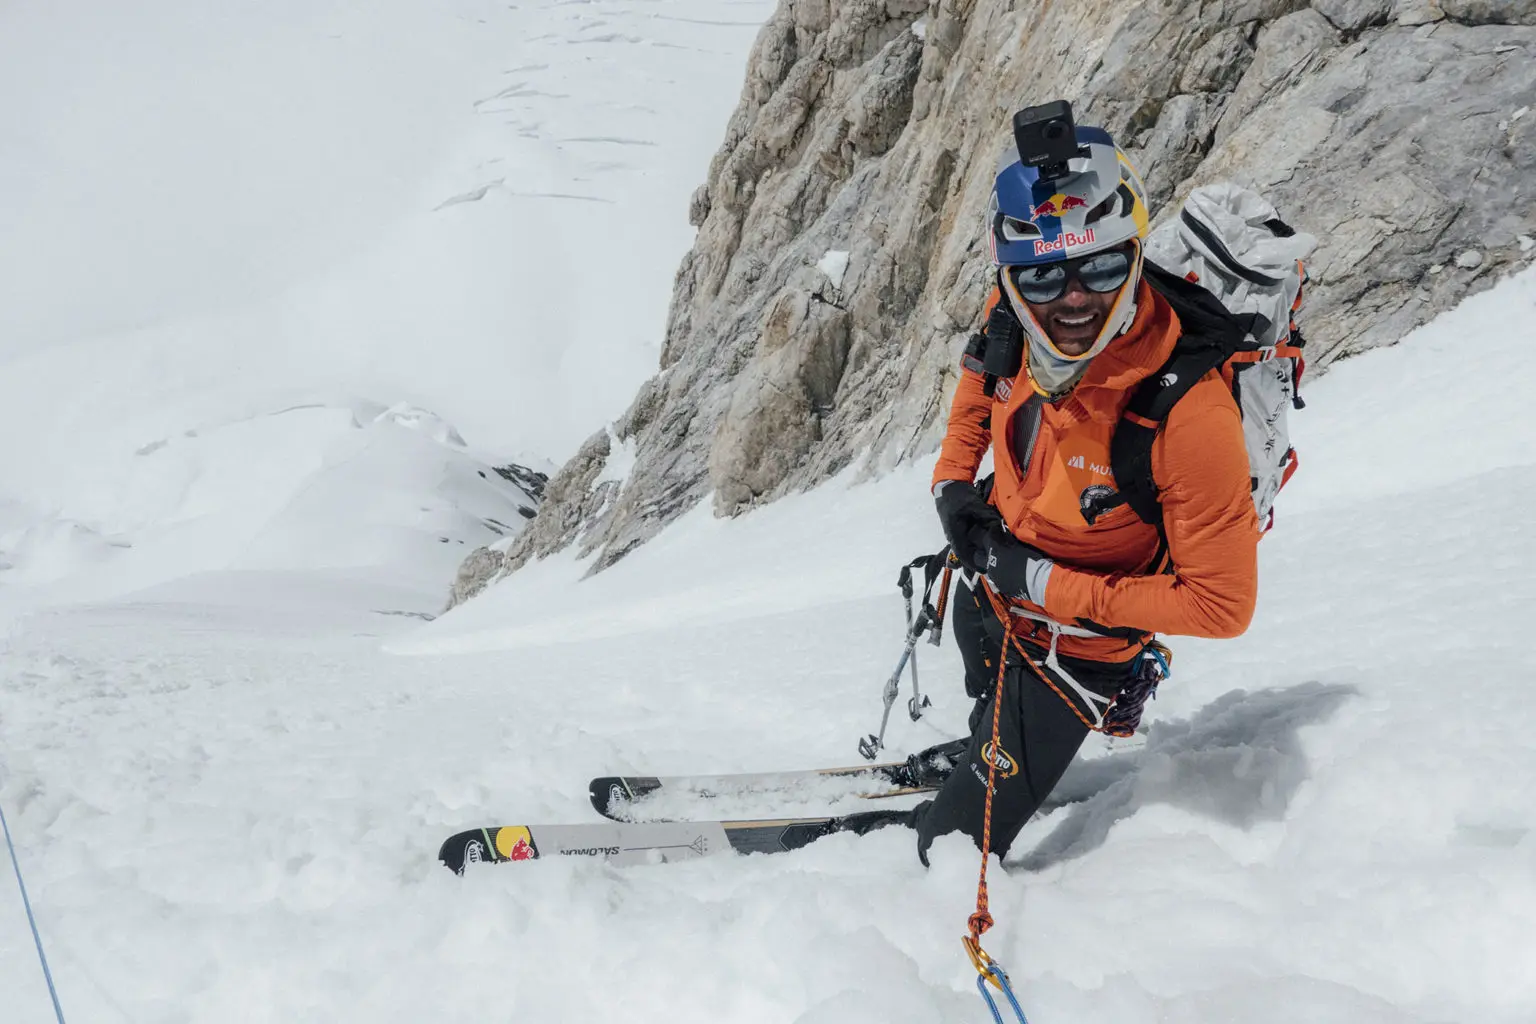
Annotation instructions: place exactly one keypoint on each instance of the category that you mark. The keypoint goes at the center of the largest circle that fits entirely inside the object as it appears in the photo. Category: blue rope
(36, 938)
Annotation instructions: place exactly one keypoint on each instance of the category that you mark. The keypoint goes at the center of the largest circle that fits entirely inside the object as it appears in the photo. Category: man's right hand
(964, 514)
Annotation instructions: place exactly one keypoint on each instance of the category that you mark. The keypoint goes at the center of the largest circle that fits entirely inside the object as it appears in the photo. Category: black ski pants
(1038, 733)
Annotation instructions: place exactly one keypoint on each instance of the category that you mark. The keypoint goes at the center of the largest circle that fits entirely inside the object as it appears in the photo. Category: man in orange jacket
(1067, 600)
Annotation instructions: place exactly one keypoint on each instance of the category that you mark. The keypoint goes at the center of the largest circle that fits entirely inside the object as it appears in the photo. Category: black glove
(1015, 568)
(965, 515)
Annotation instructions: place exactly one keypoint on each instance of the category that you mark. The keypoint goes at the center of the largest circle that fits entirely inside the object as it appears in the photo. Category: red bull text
(1068, 239)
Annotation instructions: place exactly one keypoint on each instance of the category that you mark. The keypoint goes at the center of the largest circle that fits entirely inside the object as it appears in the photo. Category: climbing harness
(989, 970)
(1097, 704)
(1116, 716)
(930, 620)
(27, 904)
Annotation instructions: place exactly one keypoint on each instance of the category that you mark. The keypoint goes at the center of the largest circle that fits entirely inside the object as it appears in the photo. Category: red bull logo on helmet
(1057, 205)
(1067, 239)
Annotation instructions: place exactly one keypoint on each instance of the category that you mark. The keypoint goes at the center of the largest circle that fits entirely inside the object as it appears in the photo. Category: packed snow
(228, 795)
(240, 470)
(835, 265)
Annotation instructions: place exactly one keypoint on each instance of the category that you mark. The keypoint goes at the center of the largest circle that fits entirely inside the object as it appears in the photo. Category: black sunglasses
(1047, 282)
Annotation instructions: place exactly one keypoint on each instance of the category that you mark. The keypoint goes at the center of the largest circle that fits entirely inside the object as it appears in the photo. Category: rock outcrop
(840, 259)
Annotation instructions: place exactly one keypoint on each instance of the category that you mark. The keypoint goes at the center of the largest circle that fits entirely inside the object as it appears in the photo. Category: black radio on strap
(1003, 347)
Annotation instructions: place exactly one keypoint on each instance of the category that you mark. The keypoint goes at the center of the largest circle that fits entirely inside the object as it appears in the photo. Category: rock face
(1400, 132)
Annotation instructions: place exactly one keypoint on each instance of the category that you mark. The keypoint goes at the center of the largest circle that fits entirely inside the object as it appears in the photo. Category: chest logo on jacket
(1081, 462)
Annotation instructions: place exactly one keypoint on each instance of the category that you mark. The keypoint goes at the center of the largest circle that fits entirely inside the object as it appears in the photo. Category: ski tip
(455, 851)
(612, 794)
(487, 846)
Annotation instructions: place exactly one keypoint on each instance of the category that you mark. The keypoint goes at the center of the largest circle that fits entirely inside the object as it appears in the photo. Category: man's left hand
(1015, 568)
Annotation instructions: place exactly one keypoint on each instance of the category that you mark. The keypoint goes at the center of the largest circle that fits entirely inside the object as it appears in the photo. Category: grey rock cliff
(1400, 132)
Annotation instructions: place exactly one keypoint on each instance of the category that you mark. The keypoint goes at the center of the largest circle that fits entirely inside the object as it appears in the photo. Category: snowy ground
(228, 795)
(255, 364)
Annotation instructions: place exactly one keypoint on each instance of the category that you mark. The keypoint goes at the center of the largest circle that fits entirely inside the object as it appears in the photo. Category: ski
(621, 842)
(624, 797)
(650, 842)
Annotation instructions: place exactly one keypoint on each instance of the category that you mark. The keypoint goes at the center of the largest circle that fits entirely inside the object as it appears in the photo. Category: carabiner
(999, 977)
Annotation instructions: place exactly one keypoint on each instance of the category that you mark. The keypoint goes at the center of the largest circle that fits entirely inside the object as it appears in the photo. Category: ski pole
(915, 630)
(926, 621)
(872, 744)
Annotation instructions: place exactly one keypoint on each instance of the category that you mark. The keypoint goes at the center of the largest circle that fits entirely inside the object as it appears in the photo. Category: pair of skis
(624, 839)
(628, 839)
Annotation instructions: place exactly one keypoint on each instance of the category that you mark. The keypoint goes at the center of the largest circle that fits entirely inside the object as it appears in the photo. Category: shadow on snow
(1237, 760)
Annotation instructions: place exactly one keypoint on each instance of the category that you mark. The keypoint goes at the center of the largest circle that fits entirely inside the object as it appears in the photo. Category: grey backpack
(1233, 272)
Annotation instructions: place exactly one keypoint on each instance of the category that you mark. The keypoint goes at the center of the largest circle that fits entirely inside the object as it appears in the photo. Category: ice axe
(929, 620)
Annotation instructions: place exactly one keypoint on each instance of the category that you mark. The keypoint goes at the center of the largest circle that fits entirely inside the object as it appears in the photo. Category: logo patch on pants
(1000, 759)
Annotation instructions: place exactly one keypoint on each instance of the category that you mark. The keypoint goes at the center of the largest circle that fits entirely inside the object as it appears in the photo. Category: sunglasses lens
(1041, 283)
(1104, 272)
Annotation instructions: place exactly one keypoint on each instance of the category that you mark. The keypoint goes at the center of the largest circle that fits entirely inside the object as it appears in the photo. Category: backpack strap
(1210, 335)
(975, 355)
(1130, 450)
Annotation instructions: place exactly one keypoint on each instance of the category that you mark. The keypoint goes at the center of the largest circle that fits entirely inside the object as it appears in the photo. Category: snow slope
(215, 213)
(284, 282)
(228, 797)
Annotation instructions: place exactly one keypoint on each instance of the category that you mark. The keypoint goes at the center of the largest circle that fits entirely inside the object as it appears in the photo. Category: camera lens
(1054, 131)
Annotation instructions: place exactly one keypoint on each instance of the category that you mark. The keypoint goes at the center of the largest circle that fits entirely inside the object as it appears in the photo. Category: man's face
(1072, 299)
(1075, 320)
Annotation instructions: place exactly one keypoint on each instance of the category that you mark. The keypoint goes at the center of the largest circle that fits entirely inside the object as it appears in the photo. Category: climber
(1071, 329)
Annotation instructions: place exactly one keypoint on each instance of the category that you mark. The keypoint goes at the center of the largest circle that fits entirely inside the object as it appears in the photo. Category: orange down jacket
(1105, 572)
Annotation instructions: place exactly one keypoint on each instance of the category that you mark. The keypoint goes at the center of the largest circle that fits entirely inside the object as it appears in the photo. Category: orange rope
(980, 921)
